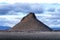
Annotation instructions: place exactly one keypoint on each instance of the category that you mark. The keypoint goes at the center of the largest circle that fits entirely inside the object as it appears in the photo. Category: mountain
(4, 28)
(30, 23)
(56, 29)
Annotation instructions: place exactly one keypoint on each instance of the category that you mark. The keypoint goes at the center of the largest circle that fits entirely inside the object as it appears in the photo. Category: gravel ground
(30, 35)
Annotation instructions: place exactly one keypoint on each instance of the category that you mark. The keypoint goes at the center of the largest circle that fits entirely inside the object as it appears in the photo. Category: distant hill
(30, 23)
(4, 28)
(56, 29)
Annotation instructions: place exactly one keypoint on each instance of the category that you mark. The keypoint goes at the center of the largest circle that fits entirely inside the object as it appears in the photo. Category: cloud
(4, 9)
(23, 8)
(20, 7)
(9, 21)
(26, 8)
(30, 1)
(51, 10)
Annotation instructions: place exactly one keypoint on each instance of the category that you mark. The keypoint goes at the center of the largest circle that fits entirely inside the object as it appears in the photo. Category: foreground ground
(30, 35)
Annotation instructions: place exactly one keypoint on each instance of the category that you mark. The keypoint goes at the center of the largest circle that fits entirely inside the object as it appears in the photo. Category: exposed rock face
(30, 23)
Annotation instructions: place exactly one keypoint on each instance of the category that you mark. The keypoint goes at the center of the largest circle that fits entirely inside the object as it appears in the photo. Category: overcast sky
(30, 1)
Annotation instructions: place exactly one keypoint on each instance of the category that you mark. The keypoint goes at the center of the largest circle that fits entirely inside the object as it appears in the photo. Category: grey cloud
(21, 7)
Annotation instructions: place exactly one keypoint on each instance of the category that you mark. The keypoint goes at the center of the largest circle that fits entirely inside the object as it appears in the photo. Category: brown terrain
(30, 23)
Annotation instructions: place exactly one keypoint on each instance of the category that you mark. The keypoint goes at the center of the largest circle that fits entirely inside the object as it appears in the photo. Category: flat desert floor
(30, 35)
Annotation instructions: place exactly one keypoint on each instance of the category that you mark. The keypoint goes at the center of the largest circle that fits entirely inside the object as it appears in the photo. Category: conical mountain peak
(30, 23)
(29, 16)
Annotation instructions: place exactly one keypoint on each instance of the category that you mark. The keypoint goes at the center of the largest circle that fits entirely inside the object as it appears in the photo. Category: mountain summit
(30, 23)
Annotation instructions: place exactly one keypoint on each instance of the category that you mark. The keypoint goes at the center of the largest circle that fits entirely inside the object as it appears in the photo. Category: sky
(12, 11)
(30, 1)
